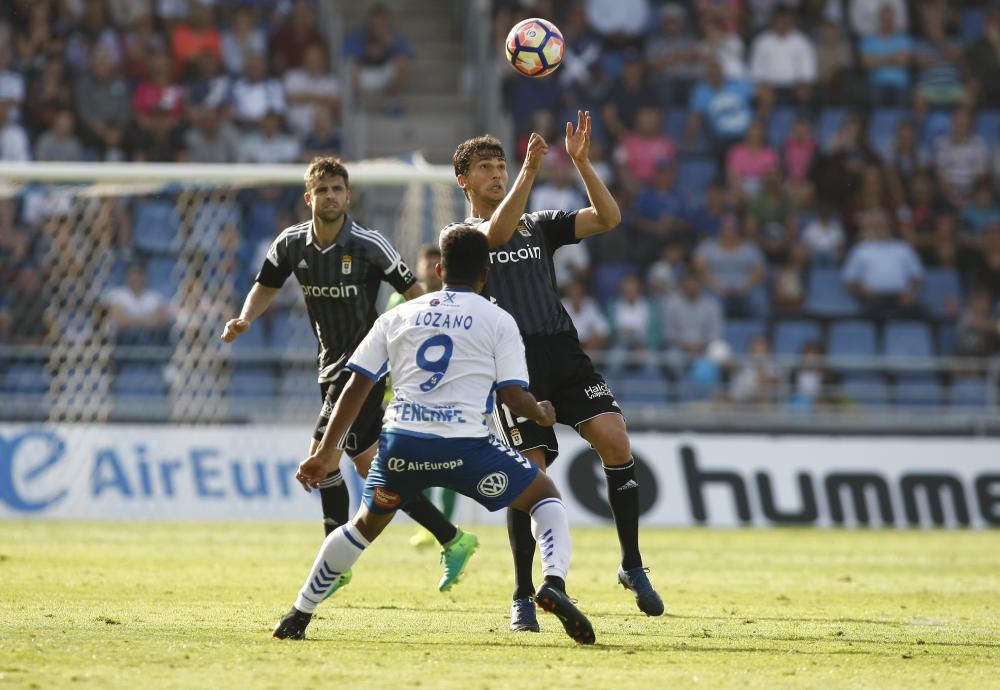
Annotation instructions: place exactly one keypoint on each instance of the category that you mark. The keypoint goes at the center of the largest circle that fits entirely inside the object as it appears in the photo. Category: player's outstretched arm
(523, 404)
(258, 300)
(501, 225)
(603, 212)
(315, 468)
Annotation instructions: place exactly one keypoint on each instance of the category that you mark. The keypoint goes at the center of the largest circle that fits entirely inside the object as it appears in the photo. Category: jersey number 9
(436, 366)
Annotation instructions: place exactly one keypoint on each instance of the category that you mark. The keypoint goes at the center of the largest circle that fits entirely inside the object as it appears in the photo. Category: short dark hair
(465, 254)
(323, 166)
(485, 146)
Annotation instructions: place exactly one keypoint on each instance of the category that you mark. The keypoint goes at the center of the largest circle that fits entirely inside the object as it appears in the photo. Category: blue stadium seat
(26, 378)
(851, 339)
(607, 277)
(139, 379)
(987, 126)
(262, 221)
(942, 293)
(253, 382)
(293, 334)
(694, 173)
(946, 335)
(865, 389)
(739, 332)
(968, 393)
(882, 129)
(645, 387)
(918, 391)
(674, 123)
(790, 336)
(162, 276)
(154, 226)
(826, 294)
(938, 123)
(907, 339)
(972, 21)
(780, 126)
(829, 123)
(253, 339)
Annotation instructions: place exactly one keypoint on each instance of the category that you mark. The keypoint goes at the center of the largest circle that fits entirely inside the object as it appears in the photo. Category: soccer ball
(535, 47)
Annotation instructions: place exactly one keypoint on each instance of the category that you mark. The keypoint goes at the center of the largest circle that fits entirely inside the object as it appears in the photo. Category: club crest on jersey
(515, 436)
(345, 264)
(523, 229)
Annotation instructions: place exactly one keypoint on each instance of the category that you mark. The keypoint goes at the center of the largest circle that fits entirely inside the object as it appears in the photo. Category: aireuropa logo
(492, 485)
(25, 461)
(397, 464)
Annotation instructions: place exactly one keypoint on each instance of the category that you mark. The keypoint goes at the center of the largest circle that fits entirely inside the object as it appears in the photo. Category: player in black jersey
(522, 281)
(340, 264)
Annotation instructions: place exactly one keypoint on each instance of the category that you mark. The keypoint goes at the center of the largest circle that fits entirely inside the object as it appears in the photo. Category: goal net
(117, 279)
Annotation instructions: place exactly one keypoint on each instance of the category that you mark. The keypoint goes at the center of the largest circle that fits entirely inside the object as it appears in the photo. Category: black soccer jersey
(340, 283)
(522, 278)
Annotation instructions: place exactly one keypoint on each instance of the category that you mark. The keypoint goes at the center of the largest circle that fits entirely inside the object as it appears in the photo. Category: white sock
(550, 527)
(342, 548)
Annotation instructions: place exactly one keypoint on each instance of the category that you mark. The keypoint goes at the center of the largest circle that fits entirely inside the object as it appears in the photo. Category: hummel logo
(303, 264)
(630, 484)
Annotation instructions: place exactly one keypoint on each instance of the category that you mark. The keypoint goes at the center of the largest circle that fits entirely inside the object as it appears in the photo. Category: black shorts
(364, 433)
(561, 372)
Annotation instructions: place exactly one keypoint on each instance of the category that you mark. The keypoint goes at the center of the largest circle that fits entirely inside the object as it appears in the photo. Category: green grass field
(192, 605)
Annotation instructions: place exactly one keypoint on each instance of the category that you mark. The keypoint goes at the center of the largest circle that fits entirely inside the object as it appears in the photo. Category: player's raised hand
(578, 140)
(537, 148)
(311, 471)
(234, 329)
(548, 412)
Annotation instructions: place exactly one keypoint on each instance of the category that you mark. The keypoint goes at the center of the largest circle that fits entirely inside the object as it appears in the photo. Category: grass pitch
(192, 605)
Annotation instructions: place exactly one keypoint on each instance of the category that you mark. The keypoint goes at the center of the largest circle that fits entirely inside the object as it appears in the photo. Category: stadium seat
(971, 392)
(882, 129)
(253, 382)
(262, 221)
(162, 276)
(826, 294)
(739, 332)
(779, 126)
(139, 379)
(791, 336)
(851, 339)
(942, 293)
(154, 226)
(865, 389)
(971, 22)
(299, 384)
(694, 173)
(987, 126)
(946, 334)
(830, 122)
(292, 333)
(918, 391)
(645, 387)
(907, 339)
(26, 378)
(254, 339)
(674, 123)
(938, 123)
(607, 277)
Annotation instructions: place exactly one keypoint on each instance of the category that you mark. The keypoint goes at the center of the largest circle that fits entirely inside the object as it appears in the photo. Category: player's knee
(614, 447)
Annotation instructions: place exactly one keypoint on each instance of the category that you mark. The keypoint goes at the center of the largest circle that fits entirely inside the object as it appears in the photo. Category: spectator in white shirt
(138, 315)
(864, 15)
(257, 94)
(823, 236)
(620, 21)
(634, 324)
(692, 318)
(960, 157)
(310, 87)
(587, 317)
(14, 144)
(884, 272)
(783, 61)
(269, 143)
(558, 192)
(243, 38)
(60, 143)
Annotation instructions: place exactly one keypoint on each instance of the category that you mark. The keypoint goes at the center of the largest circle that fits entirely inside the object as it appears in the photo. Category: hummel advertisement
(236, 473)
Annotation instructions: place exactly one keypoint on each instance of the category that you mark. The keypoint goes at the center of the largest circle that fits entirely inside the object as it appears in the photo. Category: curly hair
(326, 166)
(485, 146)
(465, 253)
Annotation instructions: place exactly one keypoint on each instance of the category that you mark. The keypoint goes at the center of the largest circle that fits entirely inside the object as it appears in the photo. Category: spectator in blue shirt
(380, 58)
(723, 107)
(886, 56)
(662, 211)
(938, 58)
(883, 271)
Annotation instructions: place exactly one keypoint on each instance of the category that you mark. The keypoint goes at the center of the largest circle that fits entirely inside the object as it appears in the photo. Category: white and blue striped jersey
(448, 351)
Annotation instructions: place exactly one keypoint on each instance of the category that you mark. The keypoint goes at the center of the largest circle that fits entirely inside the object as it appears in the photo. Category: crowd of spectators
(755, 142)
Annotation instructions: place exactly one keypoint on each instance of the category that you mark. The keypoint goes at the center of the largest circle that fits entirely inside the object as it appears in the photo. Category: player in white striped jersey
(340, 265)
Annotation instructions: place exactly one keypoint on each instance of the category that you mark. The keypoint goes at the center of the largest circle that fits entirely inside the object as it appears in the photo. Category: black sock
(335, 499)
(556, 582)
(623, 496)
(424, 513)
(522, 545)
